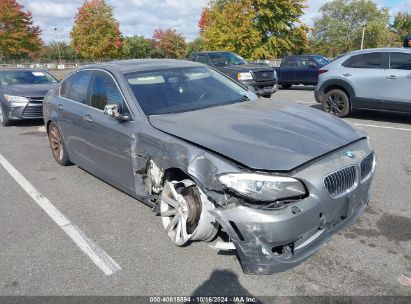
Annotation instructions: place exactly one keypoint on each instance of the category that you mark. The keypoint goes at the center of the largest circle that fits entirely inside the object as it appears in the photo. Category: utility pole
(364, 24)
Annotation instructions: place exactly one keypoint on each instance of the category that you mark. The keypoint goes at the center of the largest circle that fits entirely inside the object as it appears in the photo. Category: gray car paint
(15, 111)
(263, 135)
(121, 152)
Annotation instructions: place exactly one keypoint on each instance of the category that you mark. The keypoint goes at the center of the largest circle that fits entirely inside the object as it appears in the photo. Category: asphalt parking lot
(39, 257)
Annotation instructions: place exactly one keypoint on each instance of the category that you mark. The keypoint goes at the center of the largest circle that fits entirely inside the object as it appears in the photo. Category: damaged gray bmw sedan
(207, 155)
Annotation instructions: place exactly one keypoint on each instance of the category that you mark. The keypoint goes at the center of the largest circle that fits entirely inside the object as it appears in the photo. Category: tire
(286, 86)
(336, 102)
(58, 147)
(4, 119)
(266, 95)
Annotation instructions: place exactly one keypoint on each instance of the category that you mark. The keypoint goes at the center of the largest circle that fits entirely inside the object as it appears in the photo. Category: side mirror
(112, 111)
(312, 65)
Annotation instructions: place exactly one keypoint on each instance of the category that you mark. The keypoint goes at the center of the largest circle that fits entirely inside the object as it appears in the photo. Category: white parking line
(95, 253)
(306, 102)
(382, 127)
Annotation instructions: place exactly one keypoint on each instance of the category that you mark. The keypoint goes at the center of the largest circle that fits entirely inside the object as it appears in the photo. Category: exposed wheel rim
(334, 104)
(56, 143)
(1, 115)
(175, 214)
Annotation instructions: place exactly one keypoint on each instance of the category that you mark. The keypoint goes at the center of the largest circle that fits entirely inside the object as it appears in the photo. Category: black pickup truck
(262, 79)
(300, 69)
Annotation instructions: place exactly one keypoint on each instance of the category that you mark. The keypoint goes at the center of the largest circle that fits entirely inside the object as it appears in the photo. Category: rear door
(287, 70)
(397, 88)
(72, 110)
(109, 140)
(306, 71)
(366, 74)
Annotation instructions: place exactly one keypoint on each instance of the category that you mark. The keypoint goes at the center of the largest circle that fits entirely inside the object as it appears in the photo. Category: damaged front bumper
(269, 241)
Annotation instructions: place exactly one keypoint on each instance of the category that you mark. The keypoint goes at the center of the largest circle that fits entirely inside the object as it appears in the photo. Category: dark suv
(262, 79)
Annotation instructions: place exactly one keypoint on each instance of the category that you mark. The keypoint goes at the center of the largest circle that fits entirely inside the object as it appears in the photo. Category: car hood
(248, 67)
(29, 90)
(261, 135)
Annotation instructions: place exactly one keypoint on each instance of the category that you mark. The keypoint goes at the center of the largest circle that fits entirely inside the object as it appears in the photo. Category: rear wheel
(4, 120)
(336, 102)
(58, 148)
(286, 86)
(185, 215)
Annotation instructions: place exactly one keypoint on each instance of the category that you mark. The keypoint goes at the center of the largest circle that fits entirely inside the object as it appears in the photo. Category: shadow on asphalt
(223, 283)
(377, 116)
(299, 88)
(28, 123)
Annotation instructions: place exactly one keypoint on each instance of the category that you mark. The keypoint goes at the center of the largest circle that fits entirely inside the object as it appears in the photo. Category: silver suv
(377, 79)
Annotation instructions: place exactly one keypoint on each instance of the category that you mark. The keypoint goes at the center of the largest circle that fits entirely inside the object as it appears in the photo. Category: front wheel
(286, 86)
(336, 102)
(185, 213)
(58, 148)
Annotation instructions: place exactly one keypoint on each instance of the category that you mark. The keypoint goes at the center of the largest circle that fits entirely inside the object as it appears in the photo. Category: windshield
(321, 60)
(25, 77)
(226, 58)
(184, 89)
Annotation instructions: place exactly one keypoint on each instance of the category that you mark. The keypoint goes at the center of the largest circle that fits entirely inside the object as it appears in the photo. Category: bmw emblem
(349, 154)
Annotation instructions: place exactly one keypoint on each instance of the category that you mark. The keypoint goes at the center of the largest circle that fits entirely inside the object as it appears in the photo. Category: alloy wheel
(1, 115)
(334, 104)
(56, 143)
(180, 212)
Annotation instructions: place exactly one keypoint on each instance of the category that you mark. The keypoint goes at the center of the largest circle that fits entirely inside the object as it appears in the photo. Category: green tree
(169, 43)
(402, 24)
(254, 28)
(96, 34)
(196, 45)
(138, 47)
(18, 37)
(57, 50)
(340, 27)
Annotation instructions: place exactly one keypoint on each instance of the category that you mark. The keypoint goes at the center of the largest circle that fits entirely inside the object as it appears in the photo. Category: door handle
(391, 77)
(347, 74)
(87, 118)
(60, 107)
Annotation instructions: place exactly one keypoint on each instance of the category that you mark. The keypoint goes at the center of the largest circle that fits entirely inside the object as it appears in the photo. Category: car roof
(376, 50)
(137, 65)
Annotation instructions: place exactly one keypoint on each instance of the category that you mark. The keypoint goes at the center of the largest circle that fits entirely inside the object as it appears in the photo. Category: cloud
(142, 17)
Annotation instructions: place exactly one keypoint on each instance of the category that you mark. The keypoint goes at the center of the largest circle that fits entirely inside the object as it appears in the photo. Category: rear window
(364, 61)
(400, 61)
(76, 86)
(289, 62)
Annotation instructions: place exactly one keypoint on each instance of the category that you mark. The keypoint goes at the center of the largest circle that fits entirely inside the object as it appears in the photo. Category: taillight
(321, 71)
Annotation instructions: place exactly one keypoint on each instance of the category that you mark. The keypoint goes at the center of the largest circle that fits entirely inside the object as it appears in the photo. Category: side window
(289, 62)
(202, 59)
(76, 87)
(400, 61)
(305, 62)
(104, 91)
(365, 61)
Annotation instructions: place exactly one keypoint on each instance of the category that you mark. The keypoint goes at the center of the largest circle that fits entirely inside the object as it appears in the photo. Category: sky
(142, 17)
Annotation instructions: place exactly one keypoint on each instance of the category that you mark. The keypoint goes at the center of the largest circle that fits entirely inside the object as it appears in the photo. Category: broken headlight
(262, 187)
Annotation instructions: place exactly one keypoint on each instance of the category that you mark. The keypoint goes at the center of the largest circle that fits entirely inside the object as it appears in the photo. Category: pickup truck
(300, 69)
(262, 79)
